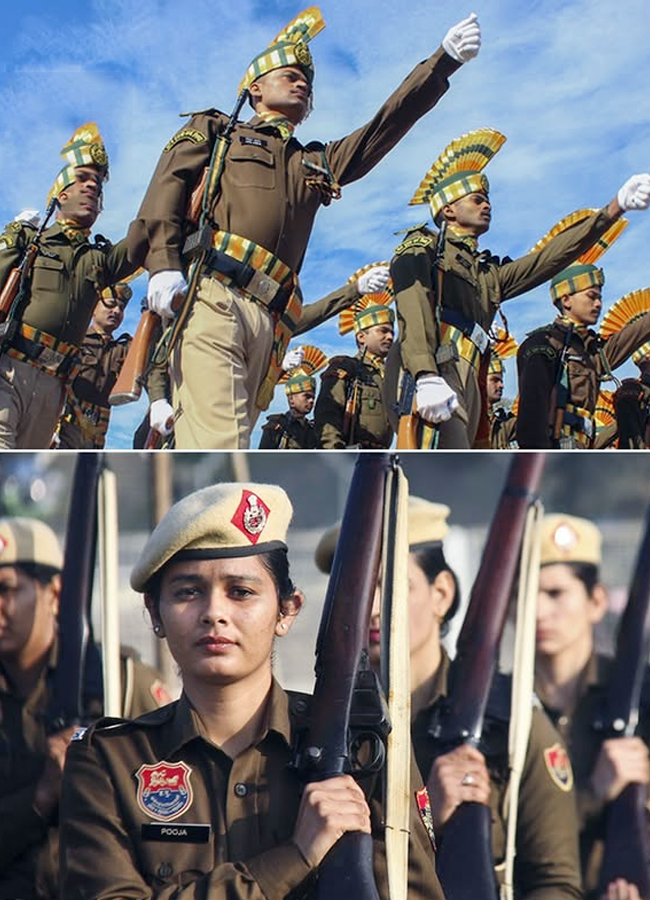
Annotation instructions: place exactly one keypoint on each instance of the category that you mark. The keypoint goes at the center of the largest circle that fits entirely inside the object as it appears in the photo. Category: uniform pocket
(48, 275)
(253, 167)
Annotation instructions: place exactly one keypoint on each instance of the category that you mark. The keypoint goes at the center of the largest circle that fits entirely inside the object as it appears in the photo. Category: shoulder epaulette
(339, 367)
(539, 332)
(12, 230)
(210, 111)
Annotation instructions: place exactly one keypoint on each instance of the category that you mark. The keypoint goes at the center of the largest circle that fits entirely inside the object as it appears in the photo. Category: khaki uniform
(269, 194)
(502, 428)
(38, 362)
(547, 862)
(86, 413)
(288, 432)
(474, 285)
(583, 744)
(224, 827)
(29, 844)
(369, 427)
(588, 362)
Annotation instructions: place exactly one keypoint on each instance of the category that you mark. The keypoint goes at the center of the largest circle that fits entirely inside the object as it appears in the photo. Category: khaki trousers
(31, 402)
(218, 365)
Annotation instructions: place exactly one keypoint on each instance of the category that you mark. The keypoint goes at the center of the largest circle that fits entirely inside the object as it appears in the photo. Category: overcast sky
(567, 81)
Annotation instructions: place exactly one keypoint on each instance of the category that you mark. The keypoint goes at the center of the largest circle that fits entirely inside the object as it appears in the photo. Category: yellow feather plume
(503, 344)
(304, 27)
(629, 308)
(596, 250)
(347, 316)
(470, 152)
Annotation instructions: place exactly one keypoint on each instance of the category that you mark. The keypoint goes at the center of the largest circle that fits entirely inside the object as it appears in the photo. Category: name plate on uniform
(180, 833)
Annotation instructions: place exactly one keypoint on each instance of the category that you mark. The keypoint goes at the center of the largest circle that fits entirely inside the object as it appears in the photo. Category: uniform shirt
(368, 426)
(288, 432)
(101, 359)
(267, 192)
(502, 428)
(588, 360)
(28, 843)
(583, 743)
(66, 278)
(245, 808)
(547, 862)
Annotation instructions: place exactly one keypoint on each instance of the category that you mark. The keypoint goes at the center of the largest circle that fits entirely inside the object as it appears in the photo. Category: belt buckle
(49, 359)
(263, 286)
(588, 427)
(479, 338)
(447, 353)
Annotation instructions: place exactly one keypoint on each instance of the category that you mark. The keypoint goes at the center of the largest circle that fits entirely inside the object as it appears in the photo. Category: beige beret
(427, 525)
(221, 520)
(568, 539)
(25, 540)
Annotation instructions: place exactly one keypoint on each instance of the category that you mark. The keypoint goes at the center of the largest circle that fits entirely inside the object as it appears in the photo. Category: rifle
(560, 390)
(459, 718)
(351, 398)
(627, 844)
(409, 420)
(14, 288)
(66, 707)
(132, 375)
(335, 737)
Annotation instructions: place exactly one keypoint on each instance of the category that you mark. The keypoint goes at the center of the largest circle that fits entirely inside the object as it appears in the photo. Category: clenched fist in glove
(163, 288)
(293, 358)
(463, 41)
(161, 417)
(435, 401)
(374, 280)
(635, 193)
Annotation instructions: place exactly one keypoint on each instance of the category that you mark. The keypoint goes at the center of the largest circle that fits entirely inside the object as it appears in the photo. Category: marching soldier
(264, 195)
(86, 413)
(632, 398)
(31, 761)
(199, 798)
(561, 365)
(42, 340)
(502, 420)
(350, 408)
(546, 861)
(293, 430)
(571, 679)
(447, 293)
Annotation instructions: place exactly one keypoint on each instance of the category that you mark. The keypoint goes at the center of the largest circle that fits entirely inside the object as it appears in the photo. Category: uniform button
(240, 789)
(563, 720)
(164, 870)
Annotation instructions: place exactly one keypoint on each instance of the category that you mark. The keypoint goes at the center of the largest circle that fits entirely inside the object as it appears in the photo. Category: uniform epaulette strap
(210, 111)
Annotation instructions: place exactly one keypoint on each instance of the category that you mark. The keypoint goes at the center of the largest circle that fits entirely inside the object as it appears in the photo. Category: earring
(283, 625)
(156, 630)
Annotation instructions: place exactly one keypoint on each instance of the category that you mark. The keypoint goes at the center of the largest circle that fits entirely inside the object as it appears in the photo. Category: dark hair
(38, 571)
(276, 563)
(431, 559)
(587, 573)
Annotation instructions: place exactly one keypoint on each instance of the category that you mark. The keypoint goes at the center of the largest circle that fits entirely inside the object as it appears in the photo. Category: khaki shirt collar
(52, 657)
(186, 725)
(439, 682)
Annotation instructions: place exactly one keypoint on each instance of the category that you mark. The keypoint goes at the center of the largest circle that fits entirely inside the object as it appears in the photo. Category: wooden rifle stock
(460, 719)
(12, 284)
(347, 870)
(130, 381)
(65, 707)
(627, 844)
(407, 432)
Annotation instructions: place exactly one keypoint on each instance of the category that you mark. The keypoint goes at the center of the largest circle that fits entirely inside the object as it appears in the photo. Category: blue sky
(567, 81)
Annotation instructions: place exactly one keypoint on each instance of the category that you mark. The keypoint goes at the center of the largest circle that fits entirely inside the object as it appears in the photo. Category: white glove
(293, 358)
(635, 193)
(163, 288)
(435, 400)
(374, 280)
(31, 216)
(161, 417)
(463, 41)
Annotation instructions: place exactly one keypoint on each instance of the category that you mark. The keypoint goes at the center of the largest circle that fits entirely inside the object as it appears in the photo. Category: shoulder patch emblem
(424, 808)
(78, 733)
(416, 240)
(185, 134)
(558, 766)
(164, 790)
